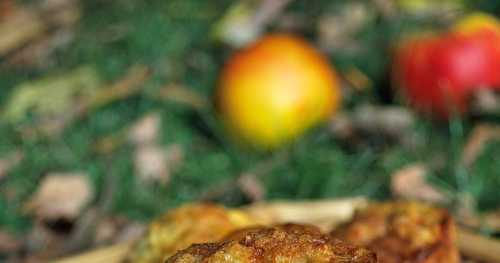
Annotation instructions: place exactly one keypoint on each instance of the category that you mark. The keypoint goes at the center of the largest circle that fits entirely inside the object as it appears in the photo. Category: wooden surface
(469, 243)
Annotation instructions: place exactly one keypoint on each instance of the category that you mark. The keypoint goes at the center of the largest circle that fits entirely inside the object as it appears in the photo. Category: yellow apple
(276, 89)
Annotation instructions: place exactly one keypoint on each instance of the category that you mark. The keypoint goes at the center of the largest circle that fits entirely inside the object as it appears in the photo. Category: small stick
(129, 85)
(481, 134)
(178, 93)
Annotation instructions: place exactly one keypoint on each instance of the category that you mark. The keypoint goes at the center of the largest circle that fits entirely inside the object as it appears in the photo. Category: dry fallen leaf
(150, 164)
(291, 21)
(337, 30)
(385, 7)
(357, 79)
(38, 54)
(391, 123)
(55, 102)
(117, 229)
(155, 164)
(410, 183)
(131, 231)
(485, 101)
(107, 229)
(49, 97)
(245, 20)
(251, 187)
(33, 31)
(145, 130)
(60, 195)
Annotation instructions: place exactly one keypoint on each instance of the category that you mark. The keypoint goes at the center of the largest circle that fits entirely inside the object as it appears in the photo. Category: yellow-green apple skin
(274, 90)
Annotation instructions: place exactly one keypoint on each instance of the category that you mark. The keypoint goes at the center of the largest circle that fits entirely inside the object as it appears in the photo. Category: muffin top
(402, 232)
(186, 225)
(288, 243)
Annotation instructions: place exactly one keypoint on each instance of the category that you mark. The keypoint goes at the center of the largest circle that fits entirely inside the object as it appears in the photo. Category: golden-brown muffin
(284, 244)
(403, 232)
(181, 227)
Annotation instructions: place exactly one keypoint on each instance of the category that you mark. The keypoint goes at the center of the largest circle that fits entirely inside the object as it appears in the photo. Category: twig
(178, 93)
(126, 87)
(478, 138)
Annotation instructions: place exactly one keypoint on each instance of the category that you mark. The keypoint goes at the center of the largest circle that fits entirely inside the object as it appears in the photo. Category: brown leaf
(60, 195)
(370, 121)
(337, 30)
(18, 29)
(410, 183)
(292, 21)
(485, 101)
(107, 229)
(117, 229)
(357, 79)
(393, 121)
(30, 33)
(251, 187)
(38, 54)
(145, 130)
(385, 7)
(155, 164)
(131, 231)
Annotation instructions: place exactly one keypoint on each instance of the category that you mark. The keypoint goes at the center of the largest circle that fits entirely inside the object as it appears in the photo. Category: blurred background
(108, 115)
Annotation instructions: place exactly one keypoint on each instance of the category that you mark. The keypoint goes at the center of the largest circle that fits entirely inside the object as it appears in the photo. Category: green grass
(172, 38)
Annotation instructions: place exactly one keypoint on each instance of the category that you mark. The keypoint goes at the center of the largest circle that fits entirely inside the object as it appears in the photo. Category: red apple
(439, 73)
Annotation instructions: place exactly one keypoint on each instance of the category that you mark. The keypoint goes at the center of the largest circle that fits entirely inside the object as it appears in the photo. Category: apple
(438, 73)
(275, 89)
